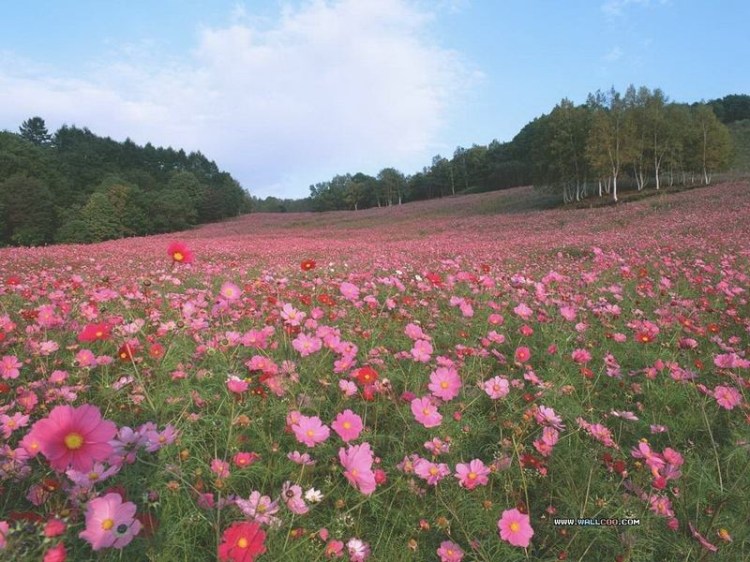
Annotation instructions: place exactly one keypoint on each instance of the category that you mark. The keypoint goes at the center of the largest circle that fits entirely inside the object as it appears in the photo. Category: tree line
(638, 139)
(75, 186)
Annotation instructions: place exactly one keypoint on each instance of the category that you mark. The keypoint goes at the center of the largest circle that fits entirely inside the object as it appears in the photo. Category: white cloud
(614, 54)
(327, 88)
(615, 8)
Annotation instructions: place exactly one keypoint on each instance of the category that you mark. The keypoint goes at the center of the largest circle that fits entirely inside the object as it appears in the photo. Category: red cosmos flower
(156, 350)
(242, 542)
(307, 265)
(180, 253)
(126, 352)
(366, 375)
(326, 299)
(434, 278)
(94, 332)
(644, 337)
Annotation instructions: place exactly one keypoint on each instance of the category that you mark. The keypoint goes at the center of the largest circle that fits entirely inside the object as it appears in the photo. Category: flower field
(442, 381)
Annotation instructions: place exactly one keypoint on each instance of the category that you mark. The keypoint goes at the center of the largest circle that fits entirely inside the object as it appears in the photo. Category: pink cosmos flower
(415, 332)
(581, 356)
(334, 549)
(727, 397)
(9, 424)
(547, 442)
(9, 367)
(425, 412)
(220, 468)
(303, 459)
(568, 312)
(661, 505)
(547, 416)
(74, 437)
(431, 472)
(292, 495)
(522, 354)
(243, 459)
(57, 553)
(450, 552)
(110, 522)
(230, 292)
(523, 311)
(472, 475)
(259, 508)
(4, 528)
(310, 430)
(496, 387)
(236, 385)
(347, 387)
(291, 315)
(422, 351)
(347, 425)
(359, 551)
(515, 528)
(445, 383)
(306, 345)
(349, 291)
(54, 527)
(357, 463)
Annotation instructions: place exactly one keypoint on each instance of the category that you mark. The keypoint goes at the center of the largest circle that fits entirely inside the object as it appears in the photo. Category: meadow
(459, 379)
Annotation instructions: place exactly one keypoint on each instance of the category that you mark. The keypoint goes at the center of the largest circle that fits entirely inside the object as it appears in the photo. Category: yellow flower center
(310, 433)
(93, 476)
(515, 527)
(73, 441)
(107, 524)
(347, 425)
(242, 542)
(444, 384)
(426, 411)
(433, 470)
(355, 472)
(472, 475)
(178, 256)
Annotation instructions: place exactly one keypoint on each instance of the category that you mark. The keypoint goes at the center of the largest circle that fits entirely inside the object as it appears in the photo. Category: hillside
(486, 226)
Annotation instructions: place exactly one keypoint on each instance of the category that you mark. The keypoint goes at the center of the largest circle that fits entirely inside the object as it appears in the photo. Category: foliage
(636, 139)
(73, 164)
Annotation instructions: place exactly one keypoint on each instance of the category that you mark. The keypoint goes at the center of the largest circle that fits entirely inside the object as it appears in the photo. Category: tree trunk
(614, 188)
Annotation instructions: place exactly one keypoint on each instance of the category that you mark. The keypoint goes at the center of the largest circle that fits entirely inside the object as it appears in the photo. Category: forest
(75, 187)
(635, 140)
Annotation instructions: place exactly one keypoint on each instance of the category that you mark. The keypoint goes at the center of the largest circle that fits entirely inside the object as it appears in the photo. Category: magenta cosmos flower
(472, 475)
(347, 425)
(310, 430)
(425, 412)
(450, 552)
(110, 522)
(74, 437)
(727, 397)
(357, 462)
(515, 528)
(445, 383)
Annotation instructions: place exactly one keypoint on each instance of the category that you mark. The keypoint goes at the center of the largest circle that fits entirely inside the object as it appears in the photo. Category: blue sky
(283, 94)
